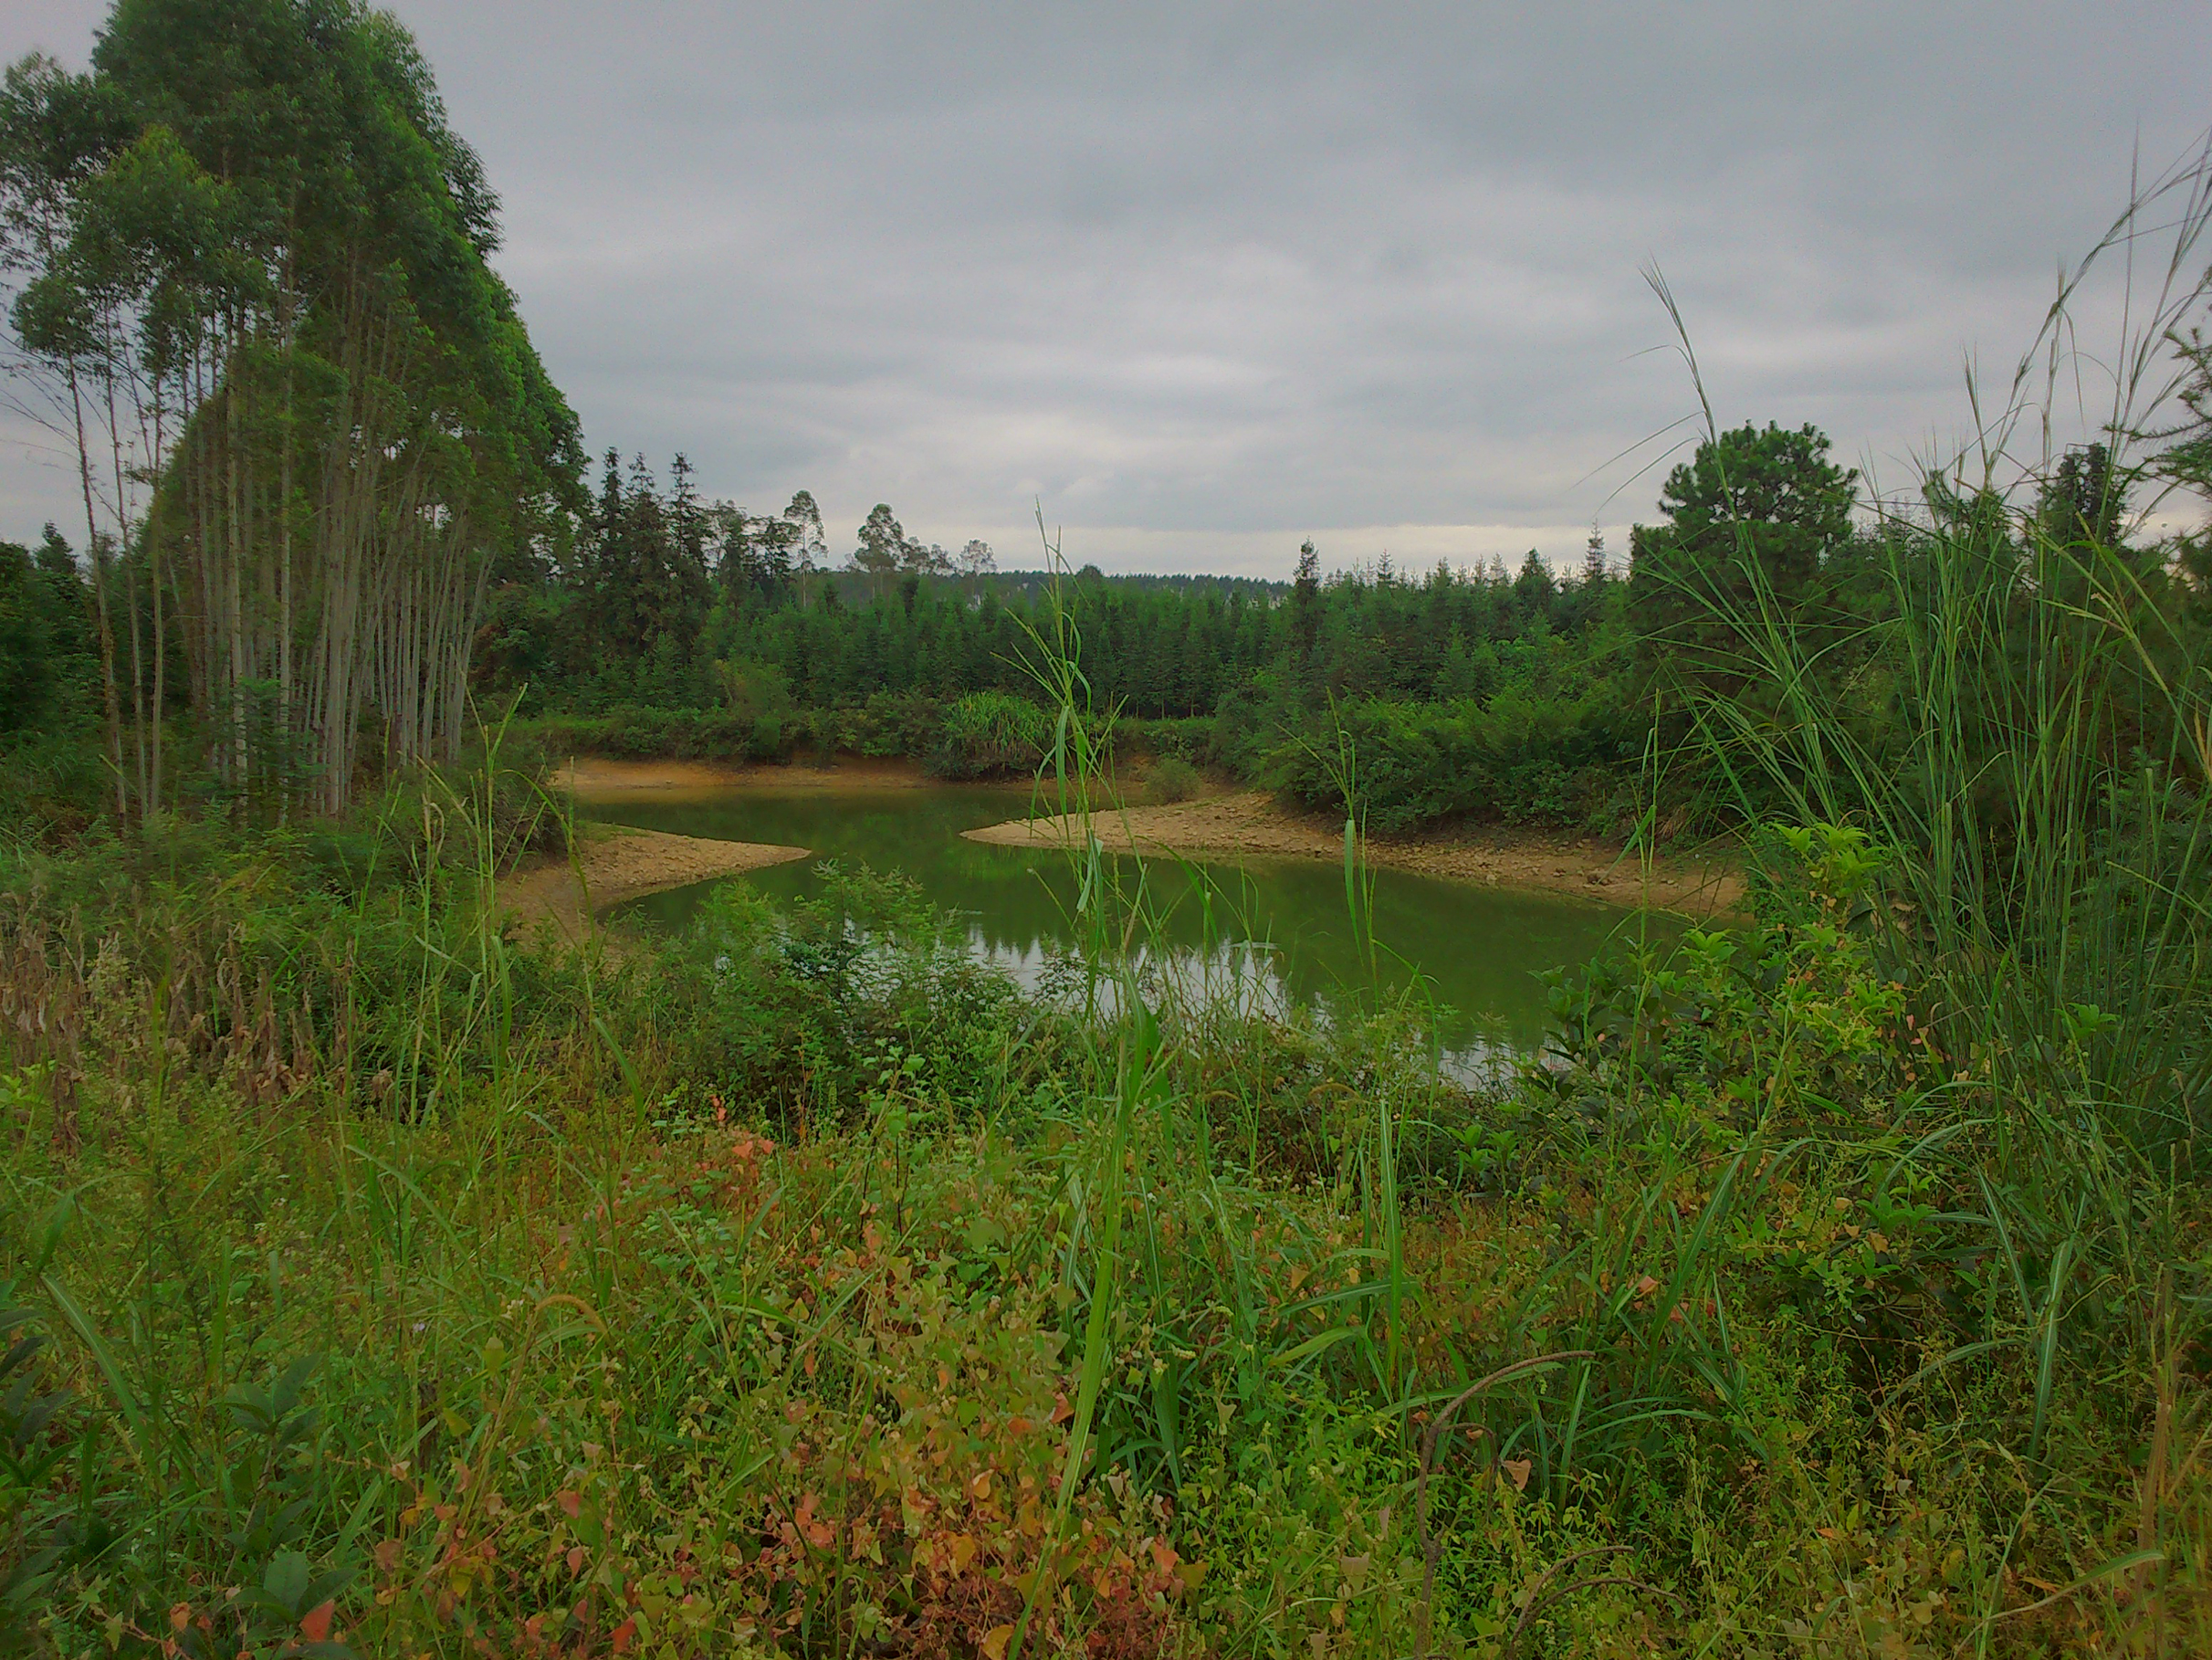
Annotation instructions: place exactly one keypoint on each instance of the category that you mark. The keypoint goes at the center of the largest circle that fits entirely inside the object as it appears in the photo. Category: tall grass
(2016, 742)
(2034, 740)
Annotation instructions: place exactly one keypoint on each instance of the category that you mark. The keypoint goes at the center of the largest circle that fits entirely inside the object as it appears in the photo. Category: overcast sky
(1207, 280)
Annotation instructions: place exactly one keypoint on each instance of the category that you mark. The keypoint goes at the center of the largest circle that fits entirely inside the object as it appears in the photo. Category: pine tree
(1596, 565)
(1305, 615)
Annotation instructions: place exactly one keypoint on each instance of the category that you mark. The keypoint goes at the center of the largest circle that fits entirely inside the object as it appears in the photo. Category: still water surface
(1479, 948)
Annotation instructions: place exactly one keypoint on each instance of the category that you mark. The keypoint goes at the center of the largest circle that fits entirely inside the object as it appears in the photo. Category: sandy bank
(597, 779)
(614, 863)
(1250, 824)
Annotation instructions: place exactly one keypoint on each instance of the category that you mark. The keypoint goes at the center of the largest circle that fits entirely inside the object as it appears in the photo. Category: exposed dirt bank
(597, 778)
(1244, 824)
(615, 863)
(1250, 825)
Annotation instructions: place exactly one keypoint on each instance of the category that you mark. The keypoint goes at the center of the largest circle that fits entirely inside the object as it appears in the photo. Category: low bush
(992, 735)
(635, 732)
(1171, 779)
(1190, 740)
(1514, 759)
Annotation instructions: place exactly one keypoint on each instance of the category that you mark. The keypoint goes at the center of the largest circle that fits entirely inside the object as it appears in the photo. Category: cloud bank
(1204, 280)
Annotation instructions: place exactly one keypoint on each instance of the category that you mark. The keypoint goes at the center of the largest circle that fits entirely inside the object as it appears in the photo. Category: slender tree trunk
(235, 554)
(100, 601)
(122, 540)
(156, 535)
(284, 552)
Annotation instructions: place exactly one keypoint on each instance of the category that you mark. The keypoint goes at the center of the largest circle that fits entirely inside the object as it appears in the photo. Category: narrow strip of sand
(1250, 825)
(597, 778)
(612, 863)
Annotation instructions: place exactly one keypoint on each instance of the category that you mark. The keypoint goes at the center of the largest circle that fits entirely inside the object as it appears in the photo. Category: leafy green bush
(1171, 779)
(637, 732)
(992, 734)
(1518, 758)
(1189, 739)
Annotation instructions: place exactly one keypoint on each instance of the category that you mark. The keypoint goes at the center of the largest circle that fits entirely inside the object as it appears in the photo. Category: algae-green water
(1279, 929)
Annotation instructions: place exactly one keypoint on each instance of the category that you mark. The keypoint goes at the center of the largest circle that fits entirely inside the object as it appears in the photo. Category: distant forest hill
(671, 624)
(668, 625)
(648, 621)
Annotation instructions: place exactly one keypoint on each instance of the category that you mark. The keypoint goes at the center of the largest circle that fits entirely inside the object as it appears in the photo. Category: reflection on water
(1260, 937)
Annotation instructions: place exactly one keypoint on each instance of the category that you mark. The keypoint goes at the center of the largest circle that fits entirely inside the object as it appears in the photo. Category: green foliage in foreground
(749, 1296)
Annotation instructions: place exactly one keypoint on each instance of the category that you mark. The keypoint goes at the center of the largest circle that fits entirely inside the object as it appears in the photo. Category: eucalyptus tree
(882, 541)
(269, 250)
(55, 126)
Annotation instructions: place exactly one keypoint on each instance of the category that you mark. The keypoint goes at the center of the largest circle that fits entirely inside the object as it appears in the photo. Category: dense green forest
(380, 1275)
(653, 623)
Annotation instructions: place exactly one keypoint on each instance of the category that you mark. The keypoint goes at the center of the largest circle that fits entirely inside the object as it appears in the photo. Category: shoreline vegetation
(378, 1281)
(1229, 825)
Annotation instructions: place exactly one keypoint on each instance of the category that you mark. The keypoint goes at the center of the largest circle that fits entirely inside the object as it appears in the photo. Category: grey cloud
(1208, 278)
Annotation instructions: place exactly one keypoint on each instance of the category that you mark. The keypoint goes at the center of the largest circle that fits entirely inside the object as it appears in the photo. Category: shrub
(1171, 780)
(991, 734)
(640, 733)
(1190, 739)
(1519, 758)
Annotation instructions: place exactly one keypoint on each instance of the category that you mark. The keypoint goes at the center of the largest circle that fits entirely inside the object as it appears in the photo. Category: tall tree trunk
(156, 536)
(100, 601)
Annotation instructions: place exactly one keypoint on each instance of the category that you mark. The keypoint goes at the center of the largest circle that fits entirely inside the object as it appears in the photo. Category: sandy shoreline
(614, 863)
(597, 779)
(1252, 824)
(1243, 824)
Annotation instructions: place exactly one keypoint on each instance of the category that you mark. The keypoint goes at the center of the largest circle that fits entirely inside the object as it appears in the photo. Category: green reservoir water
(1282, 936)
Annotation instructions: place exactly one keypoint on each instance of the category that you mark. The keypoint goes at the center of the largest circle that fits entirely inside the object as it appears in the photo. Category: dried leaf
(819, 1534)
(314, 1625)
(1516, 1472)
(995, 1641)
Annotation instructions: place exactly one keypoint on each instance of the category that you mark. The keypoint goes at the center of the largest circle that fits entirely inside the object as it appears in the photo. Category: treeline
(674, 625)
(334, 514)
(677, 626)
